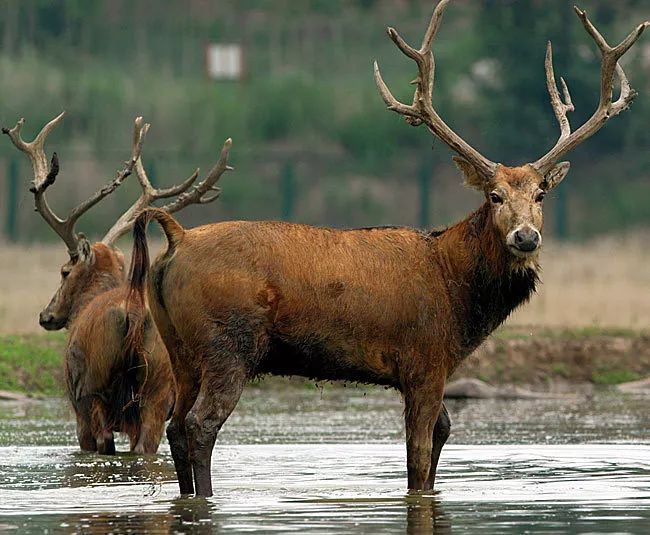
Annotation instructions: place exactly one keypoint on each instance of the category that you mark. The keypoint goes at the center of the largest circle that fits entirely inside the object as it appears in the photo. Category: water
(333, 461)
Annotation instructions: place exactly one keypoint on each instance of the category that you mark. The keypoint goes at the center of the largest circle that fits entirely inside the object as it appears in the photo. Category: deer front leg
(422, 406)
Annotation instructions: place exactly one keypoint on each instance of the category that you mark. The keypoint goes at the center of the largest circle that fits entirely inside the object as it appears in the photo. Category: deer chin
(523, 260)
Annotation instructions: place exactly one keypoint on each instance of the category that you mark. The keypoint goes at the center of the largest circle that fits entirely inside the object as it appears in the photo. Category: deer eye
(65, 272)
(540, 196)
(496, 198)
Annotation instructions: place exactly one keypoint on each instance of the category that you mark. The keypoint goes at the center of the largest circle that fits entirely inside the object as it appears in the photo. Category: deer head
(515, 194)
(95, 268)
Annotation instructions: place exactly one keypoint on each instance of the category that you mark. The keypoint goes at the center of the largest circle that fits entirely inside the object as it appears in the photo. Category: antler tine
(422, 111)
(44, 175)
(560, 107)
(197, 194)
(186, 196)
(607, 108)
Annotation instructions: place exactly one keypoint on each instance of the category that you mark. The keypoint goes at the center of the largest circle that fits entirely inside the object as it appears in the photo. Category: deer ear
(555, 176)
(84, 249)
(472, 177)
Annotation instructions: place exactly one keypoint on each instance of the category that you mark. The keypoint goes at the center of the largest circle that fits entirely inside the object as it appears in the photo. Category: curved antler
(422, 111)
(607, 107)
(45, 175)
(186, 196)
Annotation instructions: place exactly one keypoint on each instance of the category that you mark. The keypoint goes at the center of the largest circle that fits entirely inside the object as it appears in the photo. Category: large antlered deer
(390, 306)
(117, 370)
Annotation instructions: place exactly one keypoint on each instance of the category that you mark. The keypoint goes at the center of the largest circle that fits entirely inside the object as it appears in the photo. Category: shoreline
(542, 359)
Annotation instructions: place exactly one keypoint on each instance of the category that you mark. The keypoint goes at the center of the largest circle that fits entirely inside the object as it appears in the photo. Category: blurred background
(291, 83)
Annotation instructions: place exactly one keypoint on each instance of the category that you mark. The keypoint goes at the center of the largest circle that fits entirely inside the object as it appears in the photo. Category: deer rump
(109, 378)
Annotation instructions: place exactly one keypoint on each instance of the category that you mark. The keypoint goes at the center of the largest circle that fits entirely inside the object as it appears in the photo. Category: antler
(607, 108)
(45, 175)
(186, 196)
(422, 111)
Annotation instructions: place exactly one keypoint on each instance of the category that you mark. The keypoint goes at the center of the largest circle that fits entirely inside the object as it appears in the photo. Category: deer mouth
(522, 252)
(50, 323)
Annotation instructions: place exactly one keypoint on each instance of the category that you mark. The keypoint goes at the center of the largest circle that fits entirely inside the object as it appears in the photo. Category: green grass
(32, 363)
(614, 377)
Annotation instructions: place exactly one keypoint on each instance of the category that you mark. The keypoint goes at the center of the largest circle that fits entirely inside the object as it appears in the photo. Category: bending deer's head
(96, 268)
(93, 269)
(515, 194)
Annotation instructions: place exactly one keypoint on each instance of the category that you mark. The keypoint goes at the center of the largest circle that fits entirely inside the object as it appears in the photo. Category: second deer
(115, 381)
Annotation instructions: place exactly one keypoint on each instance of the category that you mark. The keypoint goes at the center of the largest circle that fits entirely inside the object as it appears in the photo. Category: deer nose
(527, 239)
(45, 319)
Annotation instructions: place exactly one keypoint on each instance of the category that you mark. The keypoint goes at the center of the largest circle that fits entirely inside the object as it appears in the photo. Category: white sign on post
(224, 61)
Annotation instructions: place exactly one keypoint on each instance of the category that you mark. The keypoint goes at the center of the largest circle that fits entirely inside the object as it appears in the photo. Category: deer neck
(98, 284)
(484, 281)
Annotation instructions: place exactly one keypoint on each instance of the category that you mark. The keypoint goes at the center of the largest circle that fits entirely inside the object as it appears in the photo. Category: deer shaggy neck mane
(485, 282)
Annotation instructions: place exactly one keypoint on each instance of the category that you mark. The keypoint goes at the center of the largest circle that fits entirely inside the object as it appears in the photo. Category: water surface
(332, 460)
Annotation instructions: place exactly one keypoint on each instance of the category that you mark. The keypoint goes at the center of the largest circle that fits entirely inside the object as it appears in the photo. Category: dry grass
(603, 283)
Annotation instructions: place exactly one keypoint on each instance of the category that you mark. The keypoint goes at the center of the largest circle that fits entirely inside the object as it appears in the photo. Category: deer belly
(325, 361)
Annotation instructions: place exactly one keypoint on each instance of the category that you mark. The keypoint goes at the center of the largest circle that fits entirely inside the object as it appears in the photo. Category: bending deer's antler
(607, 108)
(422, 111)
(45, 175)
(186, 195)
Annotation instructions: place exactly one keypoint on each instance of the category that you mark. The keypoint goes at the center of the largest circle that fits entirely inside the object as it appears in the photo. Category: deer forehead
(517, 180)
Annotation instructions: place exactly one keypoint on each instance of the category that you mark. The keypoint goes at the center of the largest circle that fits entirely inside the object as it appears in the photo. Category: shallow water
(333, 461)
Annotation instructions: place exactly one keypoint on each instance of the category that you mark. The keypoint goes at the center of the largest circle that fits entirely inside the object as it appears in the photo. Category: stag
(115, 381)
(389, 306)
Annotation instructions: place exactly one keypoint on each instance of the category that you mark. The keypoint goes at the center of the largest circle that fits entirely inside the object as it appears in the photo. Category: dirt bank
(539, 356)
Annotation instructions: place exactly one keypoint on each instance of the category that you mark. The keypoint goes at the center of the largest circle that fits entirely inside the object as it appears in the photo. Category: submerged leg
(221, 387)
(441, 432)
(102, 430)
(152, 423)
(177, 436)
(85, 436)
(422, 406)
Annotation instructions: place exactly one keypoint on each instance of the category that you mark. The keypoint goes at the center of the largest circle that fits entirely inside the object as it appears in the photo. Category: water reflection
(425, 515)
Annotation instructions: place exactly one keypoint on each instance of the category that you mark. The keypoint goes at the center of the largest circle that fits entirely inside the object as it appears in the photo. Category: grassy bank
(34, 363)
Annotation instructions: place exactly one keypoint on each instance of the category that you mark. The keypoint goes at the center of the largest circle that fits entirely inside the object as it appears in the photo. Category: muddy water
(333, 461)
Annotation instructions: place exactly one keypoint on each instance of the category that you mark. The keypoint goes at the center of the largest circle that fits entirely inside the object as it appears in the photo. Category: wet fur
(115, 383)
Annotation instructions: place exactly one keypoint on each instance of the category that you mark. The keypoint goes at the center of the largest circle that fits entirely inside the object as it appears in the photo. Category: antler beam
(422, 111)
(45, 175)
(607, 107)
(186, 194)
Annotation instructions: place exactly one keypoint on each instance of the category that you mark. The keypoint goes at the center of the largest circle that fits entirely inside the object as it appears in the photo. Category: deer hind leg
(441, 432)
(220, 391)
(152, 423)
(186, 393)
(101, 428)
(422, 406)
(85, 435)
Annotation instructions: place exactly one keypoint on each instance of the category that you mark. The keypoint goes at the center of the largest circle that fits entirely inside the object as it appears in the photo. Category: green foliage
(309, 90)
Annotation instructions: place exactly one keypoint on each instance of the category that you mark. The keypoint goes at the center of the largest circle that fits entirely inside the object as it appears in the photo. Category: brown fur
(115, 383)
(391, 306)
